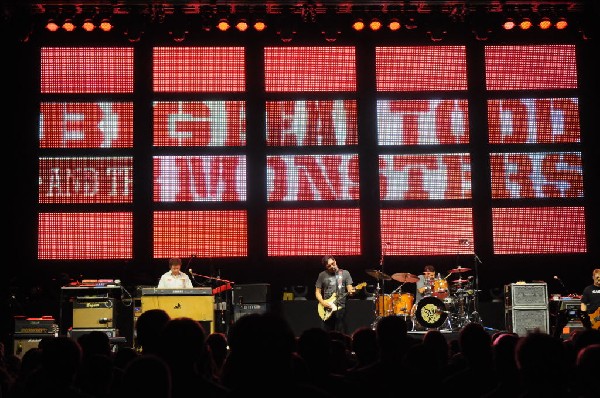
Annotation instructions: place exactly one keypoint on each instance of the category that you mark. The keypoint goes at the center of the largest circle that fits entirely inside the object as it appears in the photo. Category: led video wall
(198, 158)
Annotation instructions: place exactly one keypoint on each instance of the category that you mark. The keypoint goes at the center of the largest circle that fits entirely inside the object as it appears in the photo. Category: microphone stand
(475, 316)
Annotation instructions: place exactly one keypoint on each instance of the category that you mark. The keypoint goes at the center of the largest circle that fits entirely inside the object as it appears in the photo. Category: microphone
(561, 283)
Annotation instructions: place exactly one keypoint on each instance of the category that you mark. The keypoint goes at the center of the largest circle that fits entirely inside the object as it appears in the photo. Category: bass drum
(430, 312)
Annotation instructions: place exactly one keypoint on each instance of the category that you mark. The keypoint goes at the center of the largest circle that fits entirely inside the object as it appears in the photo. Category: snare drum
(440, 288)
(384, 305)
(403, 303)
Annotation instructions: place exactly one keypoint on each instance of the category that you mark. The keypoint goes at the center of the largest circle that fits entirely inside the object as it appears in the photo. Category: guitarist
(590, 302)
(334, 280)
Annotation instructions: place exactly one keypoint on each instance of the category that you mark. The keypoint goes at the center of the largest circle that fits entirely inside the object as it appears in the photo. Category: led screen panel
(311, 123)
(421, 68)
(86, 70)
(425, 177)
(539, 230)
(307, 232)
(85, 236)
(198, 69)
(423, 232)
(209, 233)
(536, 175)
(86, 125)
(199, 178)
(310, 69)
(422, 122)
(533, 121)
(312, 177)
(200, 123)
(531, 67)
(85, 180)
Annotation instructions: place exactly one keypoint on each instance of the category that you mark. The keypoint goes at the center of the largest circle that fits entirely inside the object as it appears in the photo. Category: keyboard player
(174, 278)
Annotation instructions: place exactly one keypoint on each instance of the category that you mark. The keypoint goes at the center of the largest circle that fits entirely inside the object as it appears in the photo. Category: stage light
(68, 25)
(242, 25)
(375, 24)
(259, 25)
(394, 24)
(509, 24)
(545, 23)
(52, 25)
(525, 23)
(88, 25)
(561, 23)
(358, 24)
(105, 25)
(223, 25)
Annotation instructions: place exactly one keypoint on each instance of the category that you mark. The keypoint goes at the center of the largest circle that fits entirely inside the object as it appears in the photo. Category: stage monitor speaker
(92, 314)
(526, 320)
(245, 309)
(252, 293)
(199, 308)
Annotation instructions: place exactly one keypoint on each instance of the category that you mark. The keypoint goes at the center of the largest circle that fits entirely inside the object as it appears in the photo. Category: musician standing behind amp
(590, 302)
(174, 278)
(331, 290)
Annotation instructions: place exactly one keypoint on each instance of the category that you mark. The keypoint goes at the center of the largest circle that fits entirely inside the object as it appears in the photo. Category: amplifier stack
(30, 331)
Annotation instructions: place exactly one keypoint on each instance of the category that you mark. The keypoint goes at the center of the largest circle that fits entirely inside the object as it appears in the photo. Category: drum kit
(446, 304)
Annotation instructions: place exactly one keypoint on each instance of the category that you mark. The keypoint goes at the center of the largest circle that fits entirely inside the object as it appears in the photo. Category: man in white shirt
(174, 278)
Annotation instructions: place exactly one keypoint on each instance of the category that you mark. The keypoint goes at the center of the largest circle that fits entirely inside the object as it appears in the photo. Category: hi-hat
(378, 274)
(459, 270)
(405, 277)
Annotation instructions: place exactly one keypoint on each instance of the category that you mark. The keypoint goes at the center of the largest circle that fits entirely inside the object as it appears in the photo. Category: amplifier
(525, 320)
(43, 325)
(252, 293)
(518, 295)
(22, 345)
(93, 314)
(244, 309)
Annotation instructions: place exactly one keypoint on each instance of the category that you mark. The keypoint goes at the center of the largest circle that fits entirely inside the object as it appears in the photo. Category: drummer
(425, 283)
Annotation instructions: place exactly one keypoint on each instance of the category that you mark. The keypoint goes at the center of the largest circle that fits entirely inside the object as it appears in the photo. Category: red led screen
(536, 175)
(294, 69)
(312, 177)
(86, 125)
(425, 177)
(421, 68)
(199, 178)
(218, 233)
(198, 69)
(205, 123)
(422, 232)
(307, 123)
(85, 236)
(533, 67)
(422, 122)
(533, 121)
(82, 70)
(308, 232)
(85, 180)
(539, 230)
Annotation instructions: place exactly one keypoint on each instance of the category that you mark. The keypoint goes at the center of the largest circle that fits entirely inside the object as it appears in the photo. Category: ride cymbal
(459, 270)
(405, 277)
(459, 281)
(378, 274)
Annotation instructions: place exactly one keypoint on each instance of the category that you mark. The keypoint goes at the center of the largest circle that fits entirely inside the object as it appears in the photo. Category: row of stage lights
(358, 24)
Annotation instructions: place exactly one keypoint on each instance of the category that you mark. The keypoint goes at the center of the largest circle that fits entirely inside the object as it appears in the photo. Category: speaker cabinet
(252, 293)
(525, 320)
(22, 345)
(243, 309)
(199, 308)
(526, 295)
(91, 314)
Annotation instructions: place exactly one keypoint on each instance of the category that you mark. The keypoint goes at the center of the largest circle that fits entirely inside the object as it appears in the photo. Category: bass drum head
(431, 312)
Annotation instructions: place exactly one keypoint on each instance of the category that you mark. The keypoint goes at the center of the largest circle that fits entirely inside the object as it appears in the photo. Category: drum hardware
(405, 277)
(459, 270)
(378, 274)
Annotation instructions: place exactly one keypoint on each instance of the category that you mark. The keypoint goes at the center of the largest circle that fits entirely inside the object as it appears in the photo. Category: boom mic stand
(475, 316)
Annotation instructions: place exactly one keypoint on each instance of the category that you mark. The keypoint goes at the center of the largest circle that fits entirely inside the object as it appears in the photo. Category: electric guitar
(595, 319)
(325, 313)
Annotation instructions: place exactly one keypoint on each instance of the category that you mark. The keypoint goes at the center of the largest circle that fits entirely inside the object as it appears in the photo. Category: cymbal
(405, 277)
(378, 274)
(459, 281)
(459, 270)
